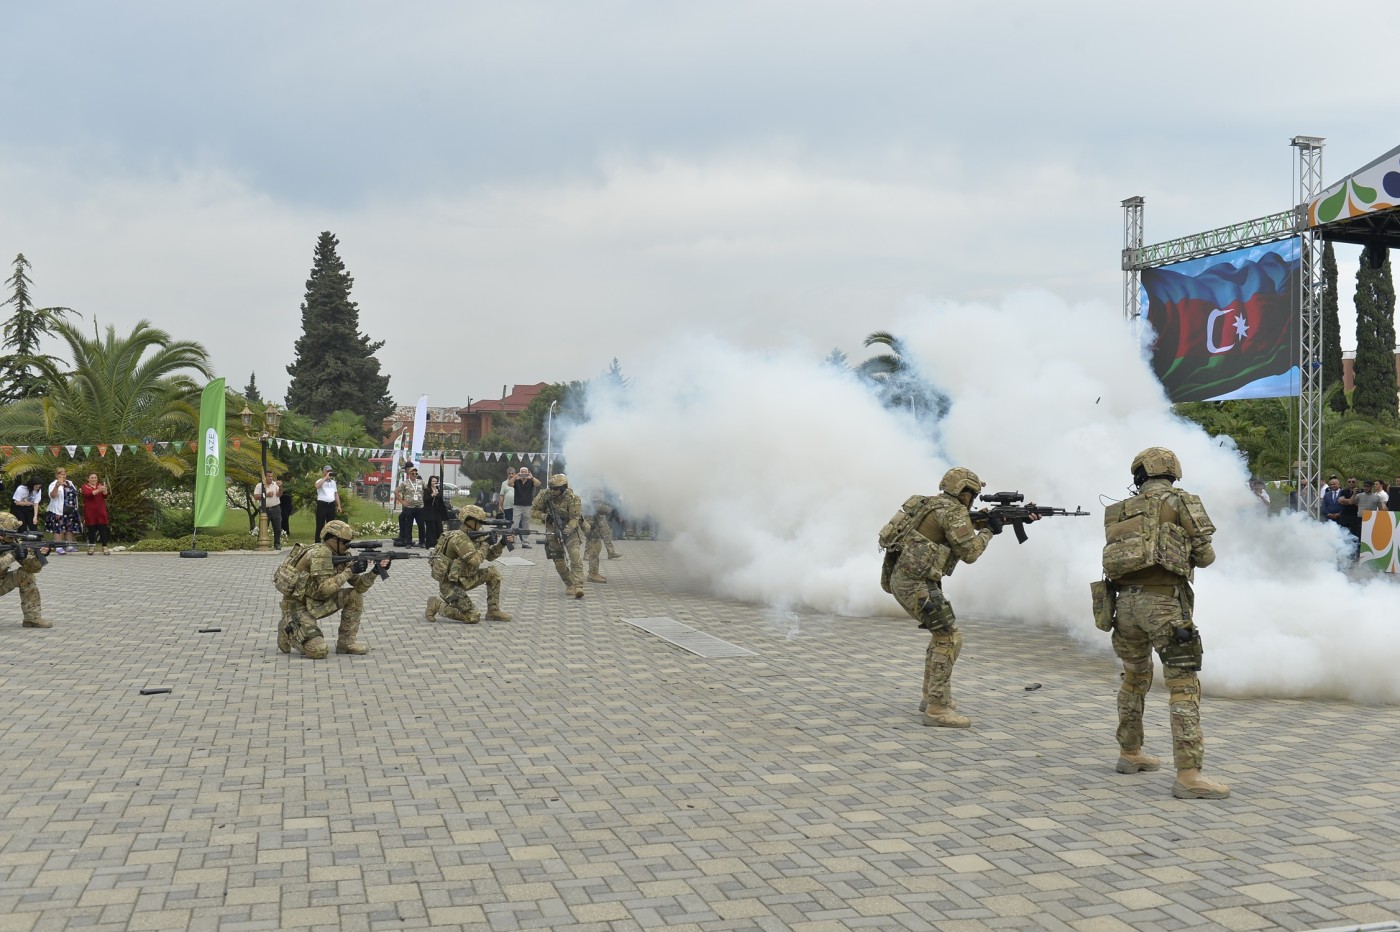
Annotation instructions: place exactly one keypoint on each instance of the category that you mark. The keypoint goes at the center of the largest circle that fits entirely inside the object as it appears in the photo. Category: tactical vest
(906, 519)
(440, 564)
(1144, 532)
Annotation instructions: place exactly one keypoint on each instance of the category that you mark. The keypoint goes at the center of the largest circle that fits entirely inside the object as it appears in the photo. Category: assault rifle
(20, 543)
(1006, 509)
(370, 554)
(556, 526)
(493, 537)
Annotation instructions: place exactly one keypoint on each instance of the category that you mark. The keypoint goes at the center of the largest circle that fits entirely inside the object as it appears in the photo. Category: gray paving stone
(568, 770)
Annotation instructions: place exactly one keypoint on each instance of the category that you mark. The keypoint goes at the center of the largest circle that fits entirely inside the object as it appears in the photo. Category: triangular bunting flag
(87, 450)
(24, 449)
(237, 442)
(191, 446)
(72, 449)
(8, 450)
(119, 447)
(55, 450)
(150, 447)
(163, 445)
(102, 449)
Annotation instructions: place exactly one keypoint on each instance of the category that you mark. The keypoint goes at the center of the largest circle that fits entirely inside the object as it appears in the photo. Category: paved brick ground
(568, 770)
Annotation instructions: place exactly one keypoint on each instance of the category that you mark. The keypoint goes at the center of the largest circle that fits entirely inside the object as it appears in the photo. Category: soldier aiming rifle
(1006, 509)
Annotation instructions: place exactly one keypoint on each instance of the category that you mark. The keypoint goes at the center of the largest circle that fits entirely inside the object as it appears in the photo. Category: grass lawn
(303, 523)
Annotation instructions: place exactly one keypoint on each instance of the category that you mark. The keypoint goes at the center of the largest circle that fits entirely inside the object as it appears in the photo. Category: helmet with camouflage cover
(959, 479)
(1154, 462)
(558, 481)
(472, 513)
(9, 522)
(338, 529)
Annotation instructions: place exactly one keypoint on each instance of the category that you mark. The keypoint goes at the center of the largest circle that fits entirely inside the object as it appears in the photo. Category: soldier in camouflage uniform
(466, 570)
(1166, 533)
(22, 577)
(325, 594)
(568, 509)
(940, 535)
(598, 526)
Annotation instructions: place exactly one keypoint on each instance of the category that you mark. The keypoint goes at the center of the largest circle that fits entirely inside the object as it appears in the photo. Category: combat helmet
(558, 481)
(960, 479)
(9, 522)
(472, 513)
(1155, 462)
(338, 529)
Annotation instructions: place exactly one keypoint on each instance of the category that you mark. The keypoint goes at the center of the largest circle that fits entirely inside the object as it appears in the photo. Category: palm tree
(896, 382)
(133, 389)
(885, 366)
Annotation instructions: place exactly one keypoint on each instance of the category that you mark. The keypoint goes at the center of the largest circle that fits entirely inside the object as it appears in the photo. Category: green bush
(173, 522)
(213, 543)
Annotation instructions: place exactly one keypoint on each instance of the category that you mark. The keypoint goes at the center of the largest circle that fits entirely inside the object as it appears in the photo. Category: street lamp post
(271, 418)
(549, 444)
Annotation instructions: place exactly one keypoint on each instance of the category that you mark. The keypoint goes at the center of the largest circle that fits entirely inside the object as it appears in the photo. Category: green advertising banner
(209, 499)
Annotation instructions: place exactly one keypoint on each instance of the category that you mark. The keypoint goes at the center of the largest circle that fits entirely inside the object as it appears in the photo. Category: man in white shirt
(327, 499)
(505, 501)
(269, 494)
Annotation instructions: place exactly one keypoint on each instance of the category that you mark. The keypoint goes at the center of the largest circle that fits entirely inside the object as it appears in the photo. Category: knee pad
(1137, 677)
(1183, 689)
(315, 648)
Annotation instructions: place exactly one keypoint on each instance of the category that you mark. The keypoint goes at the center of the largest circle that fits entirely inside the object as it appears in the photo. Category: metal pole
(263, 533)
(549, 444)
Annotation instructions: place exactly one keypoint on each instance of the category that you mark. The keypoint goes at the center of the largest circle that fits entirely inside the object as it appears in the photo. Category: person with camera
(463, 567)
(327, 499)
(268, 494)
(324, 589)
(525, 486)
(409, 498)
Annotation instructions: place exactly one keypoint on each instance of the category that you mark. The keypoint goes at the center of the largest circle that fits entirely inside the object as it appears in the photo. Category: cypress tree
(335, 367)
(1374, 396)
(26, 326)
(1331, 330)
(250, 391)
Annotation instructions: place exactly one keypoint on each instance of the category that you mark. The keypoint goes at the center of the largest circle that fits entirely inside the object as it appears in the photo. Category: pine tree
(1331, 330)
(335, 367)
(1375, 336)
(250, 391)
(19, 377)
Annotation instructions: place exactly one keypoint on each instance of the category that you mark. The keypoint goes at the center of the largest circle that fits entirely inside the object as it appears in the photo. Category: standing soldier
(599, 533)
(923, 542)
(320, 593)
(562, 513)
(1154, 542)
(458, 564)
(22, 577)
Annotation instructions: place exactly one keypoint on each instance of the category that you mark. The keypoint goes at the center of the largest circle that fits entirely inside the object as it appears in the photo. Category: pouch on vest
(1105, 598)
(440, 564)
(1137, 539)
(288, 578)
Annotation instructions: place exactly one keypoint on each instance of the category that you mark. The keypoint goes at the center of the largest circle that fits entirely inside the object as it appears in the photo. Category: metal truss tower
(1132, 246)
(1309, 465)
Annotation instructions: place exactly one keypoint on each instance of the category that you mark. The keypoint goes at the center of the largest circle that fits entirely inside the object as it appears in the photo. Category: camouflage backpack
(290, 578)
(904, 521)
(440, 564)
(1136, 538)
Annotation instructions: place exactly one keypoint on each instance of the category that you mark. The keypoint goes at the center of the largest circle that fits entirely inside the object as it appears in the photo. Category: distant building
(452, 428)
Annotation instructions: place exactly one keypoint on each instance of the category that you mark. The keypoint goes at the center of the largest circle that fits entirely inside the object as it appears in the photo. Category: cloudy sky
(525, 190)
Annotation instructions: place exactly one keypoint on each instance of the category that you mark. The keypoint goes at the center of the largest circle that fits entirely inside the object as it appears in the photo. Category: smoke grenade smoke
(773, 473)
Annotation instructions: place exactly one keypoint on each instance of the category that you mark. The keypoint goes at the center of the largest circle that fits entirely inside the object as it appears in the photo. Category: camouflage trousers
(594, 551)
(571, 571)
(306, 634)
(23, 580)
(458, 606)
(1146, 621)
(911, 592)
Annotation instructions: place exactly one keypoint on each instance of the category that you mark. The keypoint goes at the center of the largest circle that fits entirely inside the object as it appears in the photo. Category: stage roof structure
(1363, 208)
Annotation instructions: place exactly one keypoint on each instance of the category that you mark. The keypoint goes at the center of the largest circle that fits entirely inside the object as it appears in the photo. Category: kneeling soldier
(459, 565)
(324, 593)
(22, 577)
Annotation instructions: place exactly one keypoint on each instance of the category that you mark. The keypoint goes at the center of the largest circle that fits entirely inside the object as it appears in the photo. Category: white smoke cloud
(774, 474)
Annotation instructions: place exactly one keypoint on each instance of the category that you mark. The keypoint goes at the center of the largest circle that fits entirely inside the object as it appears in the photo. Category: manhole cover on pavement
(687, 638)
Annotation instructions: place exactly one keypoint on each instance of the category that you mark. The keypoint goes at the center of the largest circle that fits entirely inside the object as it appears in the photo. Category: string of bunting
(300, 446)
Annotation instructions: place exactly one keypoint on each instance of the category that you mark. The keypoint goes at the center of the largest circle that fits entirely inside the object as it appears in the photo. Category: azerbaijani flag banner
(210, 501)
(1225, 325)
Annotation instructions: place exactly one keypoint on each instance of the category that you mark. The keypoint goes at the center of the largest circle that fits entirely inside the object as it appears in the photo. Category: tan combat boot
(37, 622)
(614, 555)
(350, 647)
(284, 640)
(937, 716)
(1133, 761)
(434, 606)
(569, 592)
(578, 593)
(494, 613)
(1191, 785)
(597, 577)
